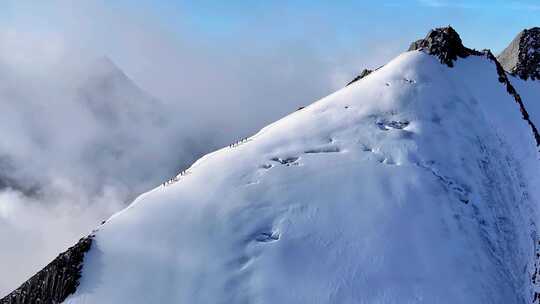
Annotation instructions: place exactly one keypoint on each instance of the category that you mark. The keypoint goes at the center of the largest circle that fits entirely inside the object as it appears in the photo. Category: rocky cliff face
(522, 57)
(54, 283)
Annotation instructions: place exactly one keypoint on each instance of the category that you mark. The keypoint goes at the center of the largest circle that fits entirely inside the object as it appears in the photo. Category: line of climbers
(175, 178)
(243, 140)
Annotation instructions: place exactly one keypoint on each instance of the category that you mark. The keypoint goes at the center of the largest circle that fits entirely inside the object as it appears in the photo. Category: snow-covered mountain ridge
(417, 183)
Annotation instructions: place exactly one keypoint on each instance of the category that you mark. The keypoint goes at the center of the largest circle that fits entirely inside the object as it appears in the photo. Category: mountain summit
(417, 183)
(522, 56)
(444, 43)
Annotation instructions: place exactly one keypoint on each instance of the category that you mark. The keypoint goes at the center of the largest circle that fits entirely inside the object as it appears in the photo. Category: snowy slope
(411, 185)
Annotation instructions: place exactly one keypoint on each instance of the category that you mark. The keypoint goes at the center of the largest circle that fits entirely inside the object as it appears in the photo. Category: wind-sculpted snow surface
(413, 185)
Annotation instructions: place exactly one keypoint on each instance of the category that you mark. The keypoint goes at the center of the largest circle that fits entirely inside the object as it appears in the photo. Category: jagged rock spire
(522, 57)
(444, 43)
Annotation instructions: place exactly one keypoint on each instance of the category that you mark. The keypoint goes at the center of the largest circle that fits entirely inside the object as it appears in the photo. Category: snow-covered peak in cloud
(79, 141)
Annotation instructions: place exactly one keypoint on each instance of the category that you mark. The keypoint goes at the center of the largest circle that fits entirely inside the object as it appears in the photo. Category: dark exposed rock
(444, 43)
(364, 73)
(522, 57)
(54, 283)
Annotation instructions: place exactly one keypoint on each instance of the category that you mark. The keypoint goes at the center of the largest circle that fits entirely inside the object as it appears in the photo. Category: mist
(93, 115)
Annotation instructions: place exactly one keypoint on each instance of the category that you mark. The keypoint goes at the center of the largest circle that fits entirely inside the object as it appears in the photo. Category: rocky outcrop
(445, 44)
(522, 57)
(364, 73)
(54, 283)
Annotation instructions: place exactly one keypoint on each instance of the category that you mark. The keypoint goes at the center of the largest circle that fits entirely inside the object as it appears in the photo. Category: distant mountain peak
(522, 57)
(445, 43)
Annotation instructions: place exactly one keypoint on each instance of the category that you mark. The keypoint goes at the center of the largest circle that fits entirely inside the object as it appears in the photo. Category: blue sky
(482, 24)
